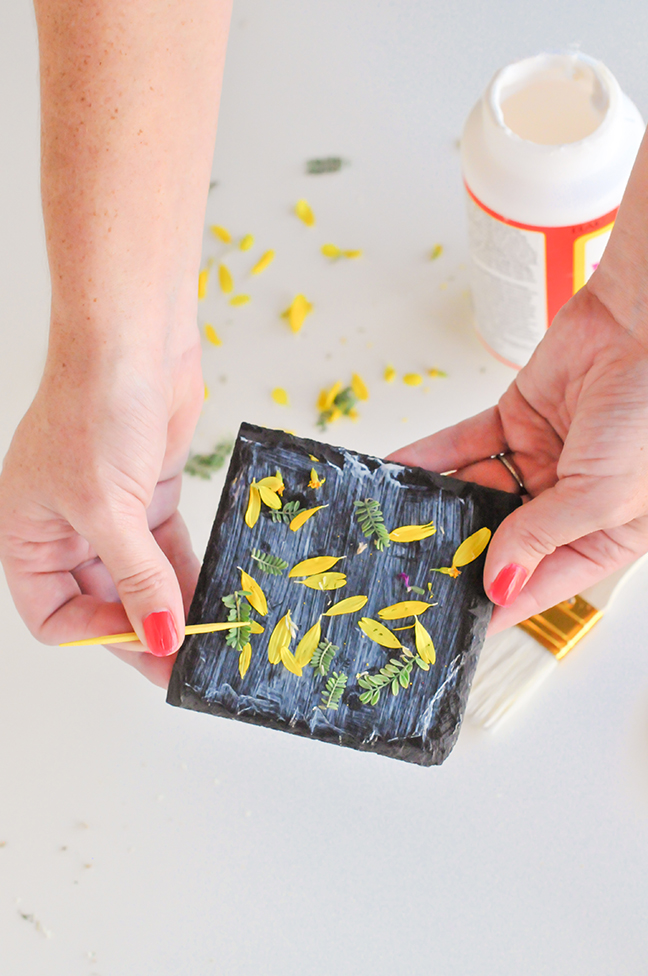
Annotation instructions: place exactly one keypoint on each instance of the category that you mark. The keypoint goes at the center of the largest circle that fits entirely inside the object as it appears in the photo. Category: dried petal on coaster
(350, 605)
(317, 564)
(330, 666)
(412, 533)
(325, 581)
(408, 608)
(303, 517)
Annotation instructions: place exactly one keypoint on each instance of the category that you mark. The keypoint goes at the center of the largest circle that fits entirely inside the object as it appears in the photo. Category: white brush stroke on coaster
(513, 664)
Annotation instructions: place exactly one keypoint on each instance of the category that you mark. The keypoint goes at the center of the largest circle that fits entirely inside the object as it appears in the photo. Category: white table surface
(139, 839)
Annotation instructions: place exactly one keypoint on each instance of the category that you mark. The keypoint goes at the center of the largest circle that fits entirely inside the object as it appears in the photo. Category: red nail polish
(160, 632)
(507, 585)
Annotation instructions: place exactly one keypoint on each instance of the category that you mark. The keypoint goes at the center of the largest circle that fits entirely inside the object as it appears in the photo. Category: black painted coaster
(420, 723)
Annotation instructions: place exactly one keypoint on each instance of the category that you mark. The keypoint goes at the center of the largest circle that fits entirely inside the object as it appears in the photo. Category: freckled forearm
(130, 92)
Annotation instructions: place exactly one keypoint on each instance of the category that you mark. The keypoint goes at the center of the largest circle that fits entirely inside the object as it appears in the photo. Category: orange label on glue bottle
(546, 154)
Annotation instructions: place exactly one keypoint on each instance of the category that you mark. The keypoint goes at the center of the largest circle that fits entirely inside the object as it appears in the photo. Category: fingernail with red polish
(507, 585)
(160, 632)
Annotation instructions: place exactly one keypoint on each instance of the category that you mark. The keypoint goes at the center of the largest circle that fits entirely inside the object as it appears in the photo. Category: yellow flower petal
(378, 633)
(222, 233)
(317, 564)
(352, 254)
(280, 637)
(447, 571)
(424, 644)
(239, 300)
(308, 645)
(297, 311)
(412, 533)
(390, 374)
(212, 336)
(203, 278)
(263, 262)
(274, 483)
(299, 520)
(413, 379)
(225, 279)
(327, 397)
(257, 597)
(436, 252)
(247, 242)
(256, 628)
(471, 548)
(359, 387)
(304, 212)
(315, 480)
(325, 581)
(331, 251)
(269, 497)
(280, 396)
(254, 507)
(350, 605)
(288, 660)
(206, 392)
(408, 608)
(244, 659)
(435, 373)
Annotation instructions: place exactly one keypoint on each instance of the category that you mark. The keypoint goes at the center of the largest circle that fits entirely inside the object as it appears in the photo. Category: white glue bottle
(546, 155)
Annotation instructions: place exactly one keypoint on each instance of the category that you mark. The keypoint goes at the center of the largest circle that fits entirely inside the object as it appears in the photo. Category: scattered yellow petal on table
(471, 548)
(435, 373)
(203, 278)
(225, 279)
(299, 520)
(254, 507)
(408, 608)
(413, 379)
(316, 564)
(412, 533)
(280, 396)
(357, 253)
(350, 605)
(239, 300)
(212, 336)
(331, 251)
(308, 645)
(359, 387)
(436, 252)
(378, 633)
(326, 398)
(222, 233)
(390, 374)
(297, 311)
(247, 242)
(304, 212)
(206, 392)
(263, 262)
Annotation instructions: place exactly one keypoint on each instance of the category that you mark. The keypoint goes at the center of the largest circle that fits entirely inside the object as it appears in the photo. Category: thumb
(557, 517)
(145, 581)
